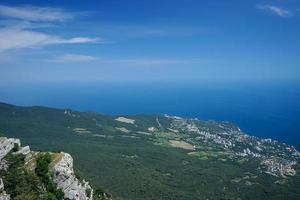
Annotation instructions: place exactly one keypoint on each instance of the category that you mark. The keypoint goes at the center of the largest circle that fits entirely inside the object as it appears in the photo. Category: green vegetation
(16, 147)
(20, 183)
(99, 194)
(42, 171)
(23, 184)
(137, 168)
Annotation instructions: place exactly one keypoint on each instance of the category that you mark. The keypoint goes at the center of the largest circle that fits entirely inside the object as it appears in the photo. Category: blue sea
(264, 110)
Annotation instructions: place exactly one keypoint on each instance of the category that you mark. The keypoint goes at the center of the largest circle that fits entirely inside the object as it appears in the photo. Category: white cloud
(75, 58)
(117, 30)
(281, 12)
(77, 40)
(20, 38)
(149, 62)
(32, 13)
(123, 62)
(22, 27)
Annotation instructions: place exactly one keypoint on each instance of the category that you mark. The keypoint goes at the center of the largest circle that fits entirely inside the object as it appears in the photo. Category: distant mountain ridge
(161, 156)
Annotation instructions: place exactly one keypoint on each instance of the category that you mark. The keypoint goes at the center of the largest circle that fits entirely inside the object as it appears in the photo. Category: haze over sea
(264, 110)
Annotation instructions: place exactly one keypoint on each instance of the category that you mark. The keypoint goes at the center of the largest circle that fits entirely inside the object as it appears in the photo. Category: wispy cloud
(33, 13)
(279, 11)
(151, 31)
(149, 62)
(20, 38)
(75, 58)
(123, 62)
(24, 27)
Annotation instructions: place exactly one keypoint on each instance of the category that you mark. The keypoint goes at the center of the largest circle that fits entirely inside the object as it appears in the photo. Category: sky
(64, 41)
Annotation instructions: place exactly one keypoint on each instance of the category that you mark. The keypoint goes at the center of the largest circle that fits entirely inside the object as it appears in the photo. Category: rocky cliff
(61, 169)
(63, 175)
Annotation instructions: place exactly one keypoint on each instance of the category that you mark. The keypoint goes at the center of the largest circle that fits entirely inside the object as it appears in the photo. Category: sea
(266, 110)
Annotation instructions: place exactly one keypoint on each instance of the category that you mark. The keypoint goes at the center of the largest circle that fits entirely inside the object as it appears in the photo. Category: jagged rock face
(63, 175)
(63, 172)
(6, 145)
(23, 150)
(3, 195)
(1, 185)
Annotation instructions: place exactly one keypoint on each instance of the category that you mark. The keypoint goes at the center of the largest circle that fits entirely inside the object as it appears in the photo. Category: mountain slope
(32, 175)
(160, 156)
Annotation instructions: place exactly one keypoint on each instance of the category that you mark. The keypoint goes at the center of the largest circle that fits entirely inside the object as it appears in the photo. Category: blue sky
(169, 40)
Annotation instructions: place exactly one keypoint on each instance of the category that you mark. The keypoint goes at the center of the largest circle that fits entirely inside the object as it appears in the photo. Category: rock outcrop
(3, 195)
(63, 175)
(63, 172)
(6, 145)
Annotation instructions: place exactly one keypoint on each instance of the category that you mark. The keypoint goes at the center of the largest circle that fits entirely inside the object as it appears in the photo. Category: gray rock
(1, 185)
(23, 150)
(63, 175)
(3, 195)
(63, 172)
(6, 145)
